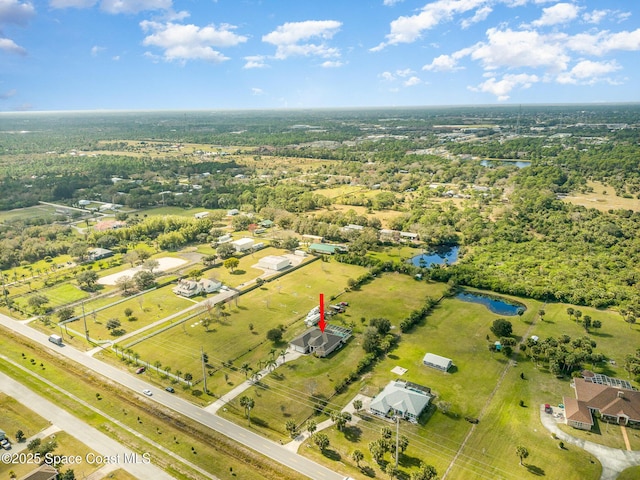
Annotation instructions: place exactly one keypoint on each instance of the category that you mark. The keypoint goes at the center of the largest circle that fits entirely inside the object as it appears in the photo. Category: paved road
(613, 460)
(91, 437)
(231, 430)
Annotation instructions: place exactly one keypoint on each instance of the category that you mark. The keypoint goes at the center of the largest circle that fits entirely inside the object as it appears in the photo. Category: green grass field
(280, 302)
(458, 330)
(16, 416)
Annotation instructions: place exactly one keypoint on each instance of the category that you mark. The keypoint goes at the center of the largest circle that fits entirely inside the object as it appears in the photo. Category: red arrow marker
(322, 323)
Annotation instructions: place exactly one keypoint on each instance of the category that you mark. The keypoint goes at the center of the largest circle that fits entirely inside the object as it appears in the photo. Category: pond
(495, 304)
(515, 163)
(439, 256)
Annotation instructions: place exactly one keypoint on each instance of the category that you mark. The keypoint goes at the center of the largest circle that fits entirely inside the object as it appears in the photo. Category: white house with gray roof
(406, 399)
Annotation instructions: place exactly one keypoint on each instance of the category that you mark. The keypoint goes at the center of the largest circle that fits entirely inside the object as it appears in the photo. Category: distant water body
(495, 304)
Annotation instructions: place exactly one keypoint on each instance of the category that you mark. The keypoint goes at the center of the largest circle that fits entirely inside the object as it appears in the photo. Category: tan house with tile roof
(614, 404)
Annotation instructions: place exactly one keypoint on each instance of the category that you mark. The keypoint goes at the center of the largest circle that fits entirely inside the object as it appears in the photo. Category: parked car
(147, 392)
(170, 390)
(140, 370)
(344, 304)
(4, 443)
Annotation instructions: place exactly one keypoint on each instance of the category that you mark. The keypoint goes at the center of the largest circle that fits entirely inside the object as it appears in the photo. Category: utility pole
(84, 318)
(205, 358)
(397, 437)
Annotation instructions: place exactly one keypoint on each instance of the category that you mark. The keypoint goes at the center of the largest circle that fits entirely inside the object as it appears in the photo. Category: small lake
(515, 163)
(440, 256)
(495, 304)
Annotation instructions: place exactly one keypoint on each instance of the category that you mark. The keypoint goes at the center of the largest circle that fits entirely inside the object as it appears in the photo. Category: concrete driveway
(613, 460)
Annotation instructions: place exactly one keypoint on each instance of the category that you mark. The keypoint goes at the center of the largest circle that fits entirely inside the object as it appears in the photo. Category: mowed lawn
(58, 296)
(288, 390)
(148, 308)
(283, 301)
(16, 416)
(458, 330)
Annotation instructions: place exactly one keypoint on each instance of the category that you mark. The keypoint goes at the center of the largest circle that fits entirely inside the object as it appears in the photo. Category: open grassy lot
(183, 436)
(147, 308)
(120, 475)
(179, 211)
(280, 302)
(458, 330)
(603, 198)
(391, 296)
(384, 215)
(37, 211)
(16, 416)
(58, 296)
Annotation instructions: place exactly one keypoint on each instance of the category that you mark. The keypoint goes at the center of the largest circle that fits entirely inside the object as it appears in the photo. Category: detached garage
(274, 262)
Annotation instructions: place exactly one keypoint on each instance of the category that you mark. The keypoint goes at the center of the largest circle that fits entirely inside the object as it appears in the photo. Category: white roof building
(243, 244)
(436, 361)
(274, 262)
(401, 398)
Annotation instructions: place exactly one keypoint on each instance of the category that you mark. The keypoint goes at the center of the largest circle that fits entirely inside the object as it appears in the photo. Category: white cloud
(134, 6)
(391, 3)
(502, 88)
(412, 81)
(588, 72)
(407, 74)
(256, 91)
(8, 45)
(189, 42)
(15, 12)
(332, 64)
(255, 61)
(72, 3)
(595, 16)
(387, 76)
(603, 42)
(116, 6)
(480, 15)
(404, 73)
(559, 13)
(289, 39)
(115, 58)
(523, 48)
(410, 28)
(443, 63)
(96, 49)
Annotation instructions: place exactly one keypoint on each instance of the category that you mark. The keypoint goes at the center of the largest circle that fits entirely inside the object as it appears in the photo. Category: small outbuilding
(243, 244)
(436, 361)
(274, 262)
(200, 215)
(99, 253)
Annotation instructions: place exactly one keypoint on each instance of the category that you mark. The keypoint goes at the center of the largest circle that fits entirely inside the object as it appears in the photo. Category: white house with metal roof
(406, 399)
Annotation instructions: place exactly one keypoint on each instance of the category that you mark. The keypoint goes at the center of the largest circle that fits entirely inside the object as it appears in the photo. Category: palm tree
(157, 364)
(272, 352)
(522, 452)
(283, 354)
(248, 403)
(271, 364)
(246, 369)
(311, 427)
(357, 456)
(178, 373)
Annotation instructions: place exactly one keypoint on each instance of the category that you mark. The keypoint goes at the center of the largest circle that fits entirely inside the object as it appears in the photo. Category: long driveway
(231, 430)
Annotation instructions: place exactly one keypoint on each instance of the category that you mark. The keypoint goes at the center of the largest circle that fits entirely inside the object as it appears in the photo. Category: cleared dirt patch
(166, 263)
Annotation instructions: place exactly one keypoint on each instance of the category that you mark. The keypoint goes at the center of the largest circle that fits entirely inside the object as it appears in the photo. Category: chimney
(620, 394)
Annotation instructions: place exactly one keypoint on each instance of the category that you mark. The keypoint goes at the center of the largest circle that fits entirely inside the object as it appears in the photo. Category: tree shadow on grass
(368, 472)
(352, 433)
(258, 422)
(409, 462)
(535, 470)
(238, 272)
(332, 455)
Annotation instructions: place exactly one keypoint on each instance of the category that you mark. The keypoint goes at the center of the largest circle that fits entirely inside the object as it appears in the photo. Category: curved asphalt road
(231, 430)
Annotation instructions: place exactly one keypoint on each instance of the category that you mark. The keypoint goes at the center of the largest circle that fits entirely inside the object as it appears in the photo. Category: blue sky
(246, 54)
